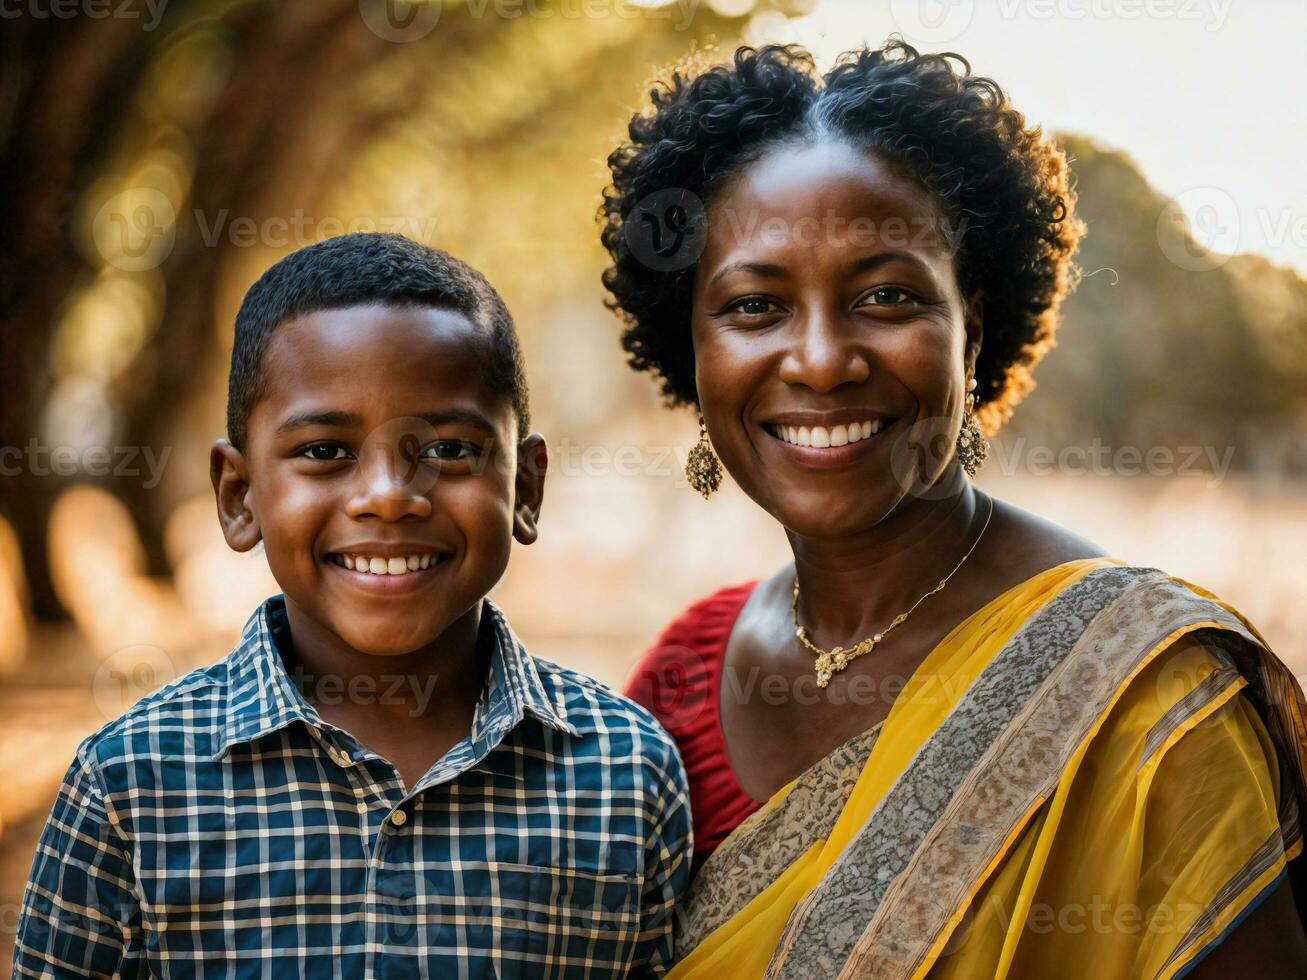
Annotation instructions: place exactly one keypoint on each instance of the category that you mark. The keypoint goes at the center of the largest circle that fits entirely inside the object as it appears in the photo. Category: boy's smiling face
(378, 439)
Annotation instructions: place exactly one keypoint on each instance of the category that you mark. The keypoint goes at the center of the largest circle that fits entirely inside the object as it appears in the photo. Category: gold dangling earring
(702, 467)
(972, 445)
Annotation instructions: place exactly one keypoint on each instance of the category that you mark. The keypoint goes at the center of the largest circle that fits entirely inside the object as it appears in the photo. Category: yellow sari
(1113, 817)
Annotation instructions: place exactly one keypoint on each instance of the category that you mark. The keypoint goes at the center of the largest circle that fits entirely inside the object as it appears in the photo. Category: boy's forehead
(376, 329)
(404, 353)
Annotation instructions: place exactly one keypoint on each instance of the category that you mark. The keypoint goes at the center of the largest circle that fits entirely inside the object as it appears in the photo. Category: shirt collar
(262, 697)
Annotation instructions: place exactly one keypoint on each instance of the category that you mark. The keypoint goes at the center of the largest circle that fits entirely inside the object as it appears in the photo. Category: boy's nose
(391, 486)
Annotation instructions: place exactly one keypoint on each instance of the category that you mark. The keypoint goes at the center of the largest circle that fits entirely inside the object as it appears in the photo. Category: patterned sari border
(1214, 686)
(825, 928)
(738, 871)
(909, 927)
(1267, 857)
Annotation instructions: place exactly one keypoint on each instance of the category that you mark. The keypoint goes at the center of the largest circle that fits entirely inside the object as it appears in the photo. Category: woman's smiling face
(826, 311)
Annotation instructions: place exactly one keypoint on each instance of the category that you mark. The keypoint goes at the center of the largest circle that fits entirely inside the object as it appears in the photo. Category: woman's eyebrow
(872, 261)
(766, 270)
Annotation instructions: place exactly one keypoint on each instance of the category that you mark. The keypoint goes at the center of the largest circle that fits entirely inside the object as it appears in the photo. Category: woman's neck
(854, 585)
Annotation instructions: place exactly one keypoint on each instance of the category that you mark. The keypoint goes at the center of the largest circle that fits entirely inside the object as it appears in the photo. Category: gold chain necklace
(830, 662)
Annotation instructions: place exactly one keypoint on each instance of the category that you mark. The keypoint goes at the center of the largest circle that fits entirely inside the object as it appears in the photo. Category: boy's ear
(231, 486)
(529, 490)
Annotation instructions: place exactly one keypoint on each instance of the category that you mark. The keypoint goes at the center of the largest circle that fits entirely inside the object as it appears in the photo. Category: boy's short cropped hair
(361, 269)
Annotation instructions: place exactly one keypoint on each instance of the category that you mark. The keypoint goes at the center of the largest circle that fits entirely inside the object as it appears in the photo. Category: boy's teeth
(820, 437)
(384, 566)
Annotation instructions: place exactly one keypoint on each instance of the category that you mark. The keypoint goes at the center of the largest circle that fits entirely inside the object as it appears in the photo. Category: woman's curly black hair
(1003, 187)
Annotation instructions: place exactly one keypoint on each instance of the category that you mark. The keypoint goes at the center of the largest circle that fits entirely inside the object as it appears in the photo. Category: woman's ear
(231, 487)
(529, 488)
(975, 327)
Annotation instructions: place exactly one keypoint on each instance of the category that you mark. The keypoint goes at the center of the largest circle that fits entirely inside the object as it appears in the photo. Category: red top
(680, 680)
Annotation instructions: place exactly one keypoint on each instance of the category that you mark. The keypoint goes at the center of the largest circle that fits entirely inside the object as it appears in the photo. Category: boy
(379, 781)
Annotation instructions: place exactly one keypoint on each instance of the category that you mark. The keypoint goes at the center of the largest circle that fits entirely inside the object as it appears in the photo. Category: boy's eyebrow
(338, 419)
(466, 415)
(303, 420)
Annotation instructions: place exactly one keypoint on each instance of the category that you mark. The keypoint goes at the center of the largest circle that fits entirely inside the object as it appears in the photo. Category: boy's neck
(432, 690)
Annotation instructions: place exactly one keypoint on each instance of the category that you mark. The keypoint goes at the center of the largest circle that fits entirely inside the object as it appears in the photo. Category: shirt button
(399, 818)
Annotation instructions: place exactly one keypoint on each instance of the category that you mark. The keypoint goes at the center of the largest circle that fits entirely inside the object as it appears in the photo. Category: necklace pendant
(823, 677)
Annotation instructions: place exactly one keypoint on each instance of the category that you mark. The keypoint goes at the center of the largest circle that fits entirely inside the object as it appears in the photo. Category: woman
(951, 739)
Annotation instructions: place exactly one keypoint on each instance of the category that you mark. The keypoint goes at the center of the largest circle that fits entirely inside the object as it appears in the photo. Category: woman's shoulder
(1024, 541)
(689, 647)
(705, 623)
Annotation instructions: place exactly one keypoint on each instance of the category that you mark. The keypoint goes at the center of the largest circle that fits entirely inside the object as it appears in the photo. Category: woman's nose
(825, 352)
(391, 485)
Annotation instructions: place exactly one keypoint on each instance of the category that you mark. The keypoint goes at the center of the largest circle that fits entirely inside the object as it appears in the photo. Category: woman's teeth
(384, 566)
(820, 437)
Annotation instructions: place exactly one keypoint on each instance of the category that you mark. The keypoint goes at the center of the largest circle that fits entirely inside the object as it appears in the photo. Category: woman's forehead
(814, 178)
(829, 197)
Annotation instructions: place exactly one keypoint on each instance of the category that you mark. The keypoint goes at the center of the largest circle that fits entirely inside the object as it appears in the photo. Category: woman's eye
(451, 449)
(753, 306)
(888, 296)
(324, 452)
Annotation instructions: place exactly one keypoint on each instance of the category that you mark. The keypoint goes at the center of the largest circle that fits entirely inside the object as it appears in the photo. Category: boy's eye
(324, 452)
(452, 449)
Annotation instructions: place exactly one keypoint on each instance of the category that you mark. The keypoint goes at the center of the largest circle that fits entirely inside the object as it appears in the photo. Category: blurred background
(159, 154)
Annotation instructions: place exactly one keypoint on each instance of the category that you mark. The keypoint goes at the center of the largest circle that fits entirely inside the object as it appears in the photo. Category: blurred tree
(149, 174)
(150, 171)
(1165, 344)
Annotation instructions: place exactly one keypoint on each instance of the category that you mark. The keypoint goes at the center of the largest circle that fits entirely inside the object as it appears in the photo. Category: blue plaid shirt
(221, 828)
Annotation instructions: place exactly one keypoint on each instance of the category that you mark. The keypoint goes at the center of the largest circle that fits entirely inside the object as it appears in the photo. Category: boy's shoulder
(592, 706)
(184, 719)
